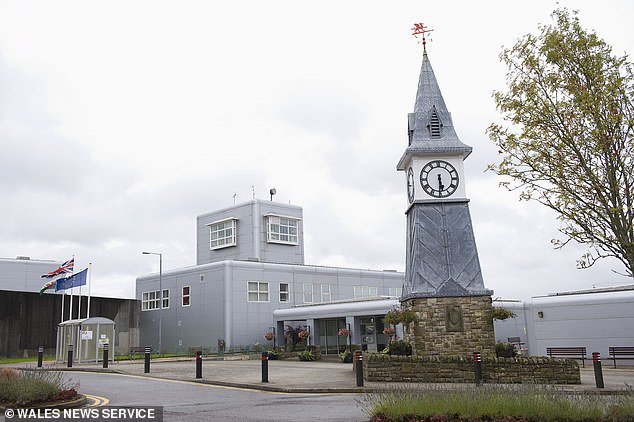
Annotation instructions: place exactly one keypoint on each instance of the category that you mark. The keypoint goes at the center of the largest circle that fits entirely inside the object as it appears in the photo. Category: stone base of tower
(450, 326)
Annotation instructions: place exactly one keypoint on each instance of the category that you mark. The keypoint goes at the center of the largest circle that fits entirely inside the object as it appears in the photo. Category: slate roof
(430, 99)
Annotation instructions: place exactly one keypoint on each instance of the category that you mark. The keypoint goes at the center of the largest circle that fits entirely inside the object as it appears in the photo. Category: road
(189, 401)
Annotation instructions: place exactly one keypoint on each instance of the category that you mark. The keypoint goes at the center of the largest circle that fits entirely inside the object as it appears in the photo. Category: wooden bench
(621, 353)
(193, 350)
(574, 352)
(136, 349)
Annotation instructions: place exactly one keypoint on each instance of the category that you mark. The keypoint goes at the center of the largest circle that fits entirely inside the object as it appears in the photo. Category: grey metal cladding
(442, 256)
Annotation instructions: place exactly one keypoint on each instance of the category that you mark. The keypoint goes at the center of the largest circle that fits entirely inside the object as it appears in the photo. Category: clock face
(410, 185)
(439, 179)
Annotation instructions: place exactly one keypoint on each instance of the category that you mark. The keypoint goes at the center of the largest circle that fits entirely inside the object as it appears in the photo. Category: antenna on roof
(421, 29)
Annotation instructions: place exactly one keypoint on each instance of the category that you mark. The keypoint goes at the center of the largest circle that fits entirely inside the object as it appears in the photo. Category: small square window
(257, 291)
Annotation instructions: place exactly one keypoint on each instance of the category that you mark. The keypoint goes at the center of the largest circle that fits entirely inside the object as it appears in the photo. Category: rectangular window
(258, 291)
(166, 298)
(362, 292)
(325, 292)
(284, 293)
(222, 233)
(151, 300)
(282, 229)
(186, 296)
(308, 292)
(395, 291)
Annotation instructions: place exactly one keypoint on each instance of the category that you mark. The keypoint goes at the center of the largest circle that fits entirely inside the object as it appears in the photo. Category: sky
(122, 121)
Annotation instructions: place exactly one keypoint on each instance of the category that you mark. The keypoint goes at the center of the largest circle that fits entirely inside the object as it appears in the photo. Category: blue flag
(74, 280)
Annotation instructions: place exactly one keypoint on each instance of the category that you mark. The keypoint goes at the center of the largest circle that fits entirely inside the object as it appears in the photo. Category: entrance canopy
(361, 317)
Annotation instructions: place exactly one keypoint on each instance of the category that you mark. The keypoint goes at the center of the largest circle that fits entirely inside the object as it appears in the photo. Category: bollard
(199, 364)
(477, 360)
(70, 356)
(358, 365)
(40, 356)
(148, 351)
(598, 371)
(265, 366)
(106, 346)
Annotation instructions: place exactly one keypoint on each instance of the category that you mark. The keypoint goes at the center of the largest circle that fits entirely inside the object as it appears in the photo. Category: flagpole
(63, 294)
(89, 284)
(79, 310)
(70, 310)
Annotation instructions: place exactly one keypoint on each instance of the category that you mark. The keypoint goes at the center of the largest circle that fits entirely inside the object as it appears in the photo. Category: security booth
(87, 336)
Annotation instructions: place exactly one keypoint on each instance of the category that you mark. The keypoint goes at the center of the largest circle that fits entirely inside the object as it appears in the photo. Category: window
(362, 292)
(284, 293)
(151, 300)
(258, 291)
(325, 292)
(186, 296)
(222, 233)
(282, 229)
(166, 298)
(395, 291)
(308, 292)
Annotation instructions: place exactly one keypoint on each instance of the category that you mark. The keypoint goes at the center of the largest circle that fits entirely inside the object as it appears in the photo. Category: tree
(569, 143)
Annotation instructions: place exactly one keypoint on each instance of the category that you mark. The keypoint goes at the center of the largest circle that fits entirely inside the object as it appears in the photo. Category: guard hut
(88, 336)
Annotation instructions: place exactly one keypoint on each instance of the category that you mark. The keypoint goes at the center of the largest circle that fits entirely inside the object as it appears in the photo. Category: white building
(250, 265)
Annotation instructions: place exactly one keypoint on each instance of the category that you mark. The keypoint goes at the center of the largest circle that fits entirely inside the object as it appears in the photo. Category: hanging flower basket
(344, 332)
(269, 335)
(303, 334)
(389, 331)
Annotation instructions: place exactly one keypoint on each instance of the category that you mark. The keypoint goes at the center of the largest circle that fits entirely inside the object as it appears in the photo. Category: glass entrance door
(329, 340)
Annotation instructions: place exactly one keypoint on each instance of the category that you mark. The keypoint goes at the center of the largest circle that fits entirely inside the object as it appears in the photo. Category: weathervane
(421, 29)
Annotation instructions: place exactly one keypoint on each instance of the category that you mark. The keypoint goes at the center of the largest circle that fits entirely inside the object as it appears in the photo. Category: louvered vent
(434, 125)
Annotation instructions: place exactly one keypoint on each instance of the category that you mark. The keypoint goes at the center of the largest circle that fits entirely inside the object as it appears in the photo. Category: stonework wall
(451, 326)
(378, 367)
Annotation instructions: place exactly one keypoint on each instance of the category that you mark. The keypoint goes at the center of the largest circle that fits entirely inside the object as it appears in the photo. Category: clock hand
(441, 187)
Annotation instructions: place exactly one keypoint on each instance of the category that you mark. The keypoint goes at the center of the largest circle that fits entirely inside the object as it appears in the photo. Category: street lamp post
(160, 255)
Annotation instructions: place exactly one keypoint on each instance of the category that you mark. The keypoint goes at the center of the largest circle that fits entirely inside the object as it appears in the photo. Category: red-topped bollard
(199, 364)
(477, 361)
(358, 362)
(598, 371)
(265, 366)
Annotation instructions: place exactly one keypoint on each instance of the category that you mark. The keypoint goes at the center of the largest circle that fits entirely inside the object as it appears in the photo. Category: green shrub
(398, 347)
(31, 387)
(306, 356)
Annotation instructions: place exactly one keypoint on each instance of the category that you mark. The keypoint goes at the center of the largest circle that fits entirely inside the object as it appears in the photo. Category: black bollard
(70, 356)
(598, 371)
(265, 366)
(477, 360)
(358, 367)
(40, 356)
(148, 352)
(199, 364)
(106, 346)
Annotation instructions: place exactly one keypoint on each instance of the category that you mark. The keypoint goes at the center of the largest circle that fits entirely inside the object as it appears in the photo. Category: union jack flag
(66, 267)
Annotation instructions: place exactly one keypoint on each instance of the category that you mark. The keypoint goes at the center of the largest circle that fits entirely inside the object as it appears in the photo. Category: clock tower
(443, 280)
